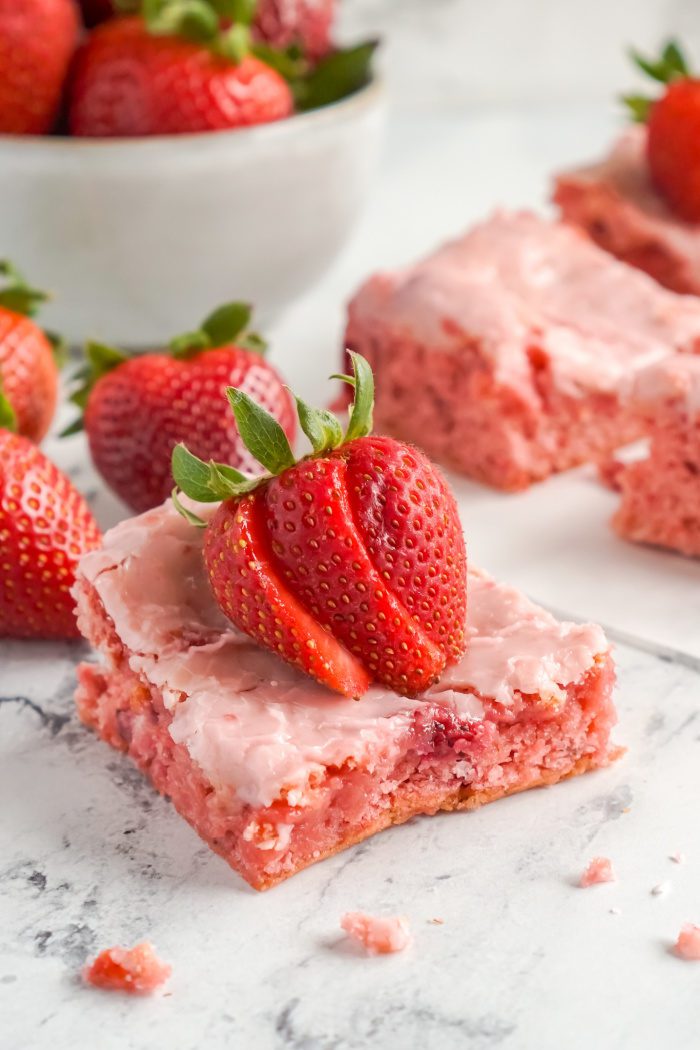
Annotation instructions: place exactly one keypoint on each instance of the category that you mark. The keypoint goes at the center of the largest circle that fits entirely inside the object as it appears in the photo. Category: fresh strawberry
(28, 372)
(306, 23)
(169, 72)
(45, 525)
(349, 563)
(37, 40)
(137, 409)
(673, 121)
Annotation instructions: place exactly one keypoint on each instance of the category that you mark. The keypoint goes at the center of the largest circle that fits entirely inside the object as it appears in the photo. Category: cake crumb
(437, 922)
(599, 870)
(677, 858)
(136, 970)
(688, 944)
(661, 889)
(378, 936)
(615, 911)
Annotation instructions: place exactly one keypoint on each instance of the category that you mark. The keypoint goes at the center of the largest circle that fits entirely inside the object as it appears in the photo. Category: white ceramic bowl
(138, 239)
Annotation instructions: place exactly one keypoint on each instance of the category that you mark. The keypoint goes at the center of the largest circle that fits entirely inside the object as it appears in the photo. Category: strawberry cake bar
(615, 202)
(276, 771)
(661, 493)
(502, 354)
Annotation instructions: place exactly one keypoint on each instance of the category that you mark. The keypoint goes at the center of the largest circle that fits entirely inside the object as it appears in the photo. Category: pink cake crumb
(599, 870)
(678, 857)
(136, 970)
(378, 936)
(688, 944)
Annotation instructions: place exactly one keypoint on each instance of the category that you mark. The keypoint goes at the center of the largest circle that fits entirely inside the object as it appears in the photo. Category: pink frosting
(518, 281)
(255, 723)
(625, 173)
(674, 383)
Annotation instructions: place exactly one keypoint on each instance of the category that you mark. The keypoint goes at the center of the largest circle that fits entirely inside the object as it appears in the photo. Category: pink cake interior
(273, 770)
(661, 492)
(616, 204)
(503, 353)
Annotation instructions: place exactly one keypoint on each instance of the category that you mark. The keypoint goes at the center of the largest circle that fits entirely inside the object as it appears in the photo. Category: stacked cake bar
(275, 771)
(503, 353)
(616, 204)
(661, 493)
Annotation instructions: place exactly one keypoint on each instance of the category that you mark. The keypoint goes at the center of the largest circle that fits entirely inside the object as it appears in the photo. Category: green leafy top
(671, 65)
(18, 295)
(226, 28)
(266, 440)
(226, 326)
(8, 416)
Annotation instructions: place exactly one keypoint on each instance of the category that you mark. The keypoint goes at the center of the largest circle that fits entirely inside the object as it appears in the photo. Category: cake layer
(616, 204)
(661, 492)
(503, 353)
(274, 770)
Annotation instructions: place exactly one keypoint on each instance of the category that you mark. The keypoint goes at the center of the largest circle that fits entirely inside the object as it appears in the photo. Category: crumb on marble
(136, 970)
(677, 858)
(378, 935)
(687, 945)
(660, 889)
(437, 922)
(599, 870)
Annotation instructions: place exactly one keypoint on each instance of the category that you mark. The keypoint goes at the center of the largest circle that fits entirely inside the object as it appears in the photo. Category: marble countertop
(90, 856)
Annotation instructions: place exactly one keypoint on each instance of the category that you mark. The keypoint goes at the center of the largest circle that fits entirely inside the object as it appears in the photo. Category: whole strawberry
(171, 71)
(137, 409)
(306, 23)
(28, 371)
(45, 526)
(37, 40)
(349, 563)
(673, 122)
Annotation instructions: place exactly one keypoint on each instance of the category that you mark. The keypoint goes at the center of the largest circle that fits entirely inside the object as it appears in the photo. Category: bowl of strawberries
(160, 155)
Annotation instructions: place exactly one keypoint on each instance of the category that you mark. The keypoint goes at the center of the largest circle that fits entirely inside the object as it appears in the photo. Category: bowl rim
(365, 98)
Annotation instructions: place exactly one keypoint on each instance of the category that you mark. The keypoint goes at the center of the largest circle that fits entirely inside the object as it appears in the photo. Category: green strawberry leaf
(261, 433)
(241, 11)
(321, 427)
(206, 482)
(195, 20)
(675, 59)
(100, 359)
(340, 74)
(187, 514)
(362, 382)
(228, 325)
(670, 66)
(17, 294)
(638, 107)
(8, 416)
(234, 43)
(288, 62)
(59, 347)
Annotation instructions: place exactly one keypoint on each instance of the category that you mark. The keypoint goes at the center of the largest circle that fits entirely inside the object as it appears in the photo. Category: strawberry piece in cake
(276, 771)
(687, 945)
(502, 354)
(598, 871)
(617, 205)
(661, 492)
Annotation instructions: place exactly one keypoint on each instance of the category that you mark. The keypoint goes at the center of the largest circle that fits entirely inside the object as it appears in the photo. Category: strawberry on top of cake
(502, 353)
(642, 202)
(279, 759)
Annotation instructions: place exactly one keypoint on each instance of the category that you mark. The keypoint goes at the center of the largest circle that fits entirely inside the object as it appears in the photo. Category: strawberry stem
(670, 66)
(16, 294)
(228, 325)
(8, 416)
(266, 440)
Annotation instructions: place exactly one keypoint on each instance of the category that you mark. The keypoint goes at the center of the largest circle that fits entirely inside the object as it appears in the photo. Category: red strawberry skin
(127, 82)
(674, 147)
(367, 542)
(305, 22)
(37, 40)
(136, 414)
(45, 526)
(28, 373)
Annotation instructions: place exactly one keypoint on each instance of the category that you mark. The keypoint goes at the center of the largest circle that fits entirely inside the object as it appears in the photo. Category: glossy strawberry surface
(45, 526)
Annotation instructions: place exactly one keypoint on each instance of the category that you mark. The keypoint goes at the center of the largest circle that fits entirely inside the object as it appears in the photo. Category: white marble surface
(89, 856)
